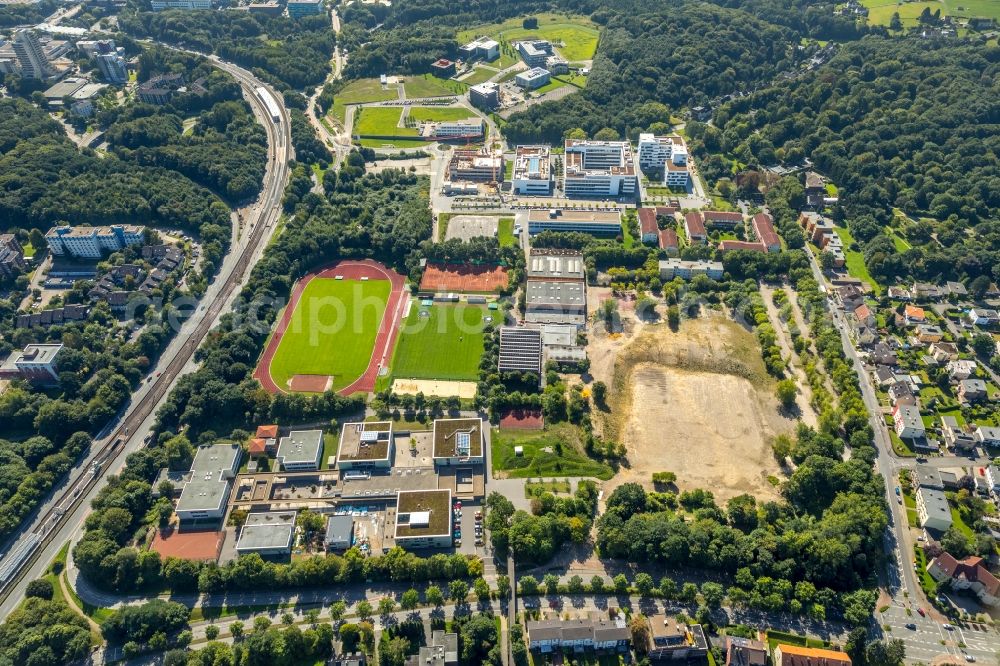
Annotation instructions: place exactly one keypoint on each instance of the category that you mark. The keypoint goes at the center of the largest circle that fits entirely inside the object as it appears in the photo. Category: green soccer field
(447, 344)
(332, 331)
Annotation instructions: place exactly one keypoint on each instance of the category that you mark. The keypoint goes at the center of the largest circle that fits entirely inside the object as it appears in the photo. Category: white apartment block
(92, 242)
(532, 174)
(597, 169)
(666, 153)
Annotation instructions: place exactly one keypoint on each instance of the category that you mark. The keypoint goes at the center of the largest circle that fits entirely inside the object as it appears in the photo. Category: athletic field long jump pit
(337, 331)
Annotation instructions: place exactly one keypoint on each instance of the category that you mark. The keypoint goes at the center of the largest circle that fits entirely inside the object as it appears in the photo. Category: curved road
(59, 518)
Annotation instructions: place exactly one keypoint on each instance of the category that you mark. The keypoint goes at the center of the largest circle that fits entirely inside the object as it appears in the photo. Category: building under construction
(481, 166)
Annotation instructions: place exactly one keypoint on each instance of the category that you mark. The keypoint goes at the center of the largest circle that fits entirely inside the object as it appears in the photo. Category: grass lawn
(29, 250)
(393, 143)
(882, 12)
(575, 80)
(627, 239)
(505, 232)
(553, 486)
(332, 331)
(439, 114)
(855, 261)
(446, 344)
(553, 84)
(360, 92)
(775, 638)
(330, 443)
(381, 121)
(479, 75)
(555, 451)
(956, 520)
(426, 86)
(575, 37)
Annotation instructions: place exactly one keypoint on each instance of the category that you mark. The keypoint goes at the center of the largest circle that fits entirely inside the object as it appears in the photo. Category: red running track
(387, 331)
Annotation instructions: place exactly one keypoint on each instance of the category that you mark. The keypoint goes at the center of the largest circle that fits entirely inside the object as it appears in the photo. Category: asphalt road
(61, 516)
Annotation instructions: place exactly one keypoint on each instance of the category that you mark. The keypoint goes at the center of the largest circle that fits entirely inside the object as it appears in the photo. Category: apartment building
(593, 633)
(933, 511)
(763, 227)
(666, 154)
(300, 8)
(112, 67)
(694, 227)
(92, 242)
(31, 56)
(671, 268)
(12, 261)
(532, 173)
(907, 421)
(599, 169)
(160, 5)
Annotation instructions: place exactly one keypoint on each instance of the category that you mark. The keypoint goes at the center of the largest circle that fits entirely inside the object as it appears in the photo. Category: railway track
(25, 552)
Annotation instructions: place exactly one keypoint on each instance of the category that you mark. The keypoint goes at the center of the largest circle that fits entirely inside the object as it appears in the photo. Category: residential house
(882, 355)
(883, 376)
(955, 436)
(592, 633)
(745, 652)
(648, 229)
(957, 289)
(924, 290)
(942, 352)
(933, 511)
(901, 394)
(671, 640)
(864, 315)
(983, 317)
(966, 574)
(961, 369)
(442, 651)
(914, 315)
(929, 333)
(993, 478)
(694, 227)
(849, 297)
(899, 294)
(972, 390)
(728, 245)
(908, 422)
(794, 655)
(668, 242)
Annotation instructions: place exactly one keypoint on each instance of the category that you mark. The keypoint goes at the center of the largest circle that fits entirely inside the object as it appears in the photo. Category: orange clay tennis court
(463, 278)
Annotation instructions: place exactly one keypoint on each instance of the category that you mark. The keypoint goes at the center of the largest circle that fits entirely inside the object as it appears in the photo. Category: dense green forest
(23, 14)
(285, 52)
(903, 123)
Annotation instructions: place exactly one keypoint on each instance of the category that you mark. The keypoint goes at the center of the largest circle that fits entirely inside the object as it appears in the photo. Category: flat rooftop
(300, 447)
(451, 436)
(365, 440)
(564, 264)
(563, 294)
(423, 513)
(215, 458)
(38, 353)
(575, 216)
(200, 494)
(266, 531)
(531, 162)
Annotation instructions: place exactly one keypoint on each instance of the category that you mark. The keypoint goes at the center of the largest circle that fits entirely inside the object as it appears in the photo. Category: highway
(929, 640)
(60, 518)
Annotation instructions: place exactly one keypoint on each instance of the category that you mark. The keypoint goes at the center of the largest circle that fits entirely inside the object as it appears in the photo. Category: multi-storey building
(92, 242)
(36, 363)
(479, 166)
(535, 52)
(112, 67)
(482, 48)
(159, 5)
(31, 56)
(536, 77)
(12, 261)
(656, 151)
(532, 172)
(485, 96)
(597, 169)
(300, 8)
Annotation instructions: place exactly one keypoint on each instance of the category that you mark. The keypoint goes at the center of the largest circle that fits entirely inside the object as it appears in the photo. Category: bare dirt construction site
(696, 402)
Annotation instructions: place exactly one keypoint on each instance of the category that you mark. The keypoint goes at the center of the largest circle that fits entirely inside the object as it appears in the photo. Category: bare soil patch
(696, 402)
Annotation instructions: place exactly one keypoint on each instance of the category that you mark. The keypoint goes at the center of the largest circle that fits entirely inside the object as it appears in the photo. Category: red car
(922, 613)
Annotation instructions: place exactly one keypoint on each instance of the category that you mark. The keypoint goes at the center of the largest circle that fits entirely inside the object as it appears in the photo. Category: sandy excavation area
(696, 402)
(707, 428)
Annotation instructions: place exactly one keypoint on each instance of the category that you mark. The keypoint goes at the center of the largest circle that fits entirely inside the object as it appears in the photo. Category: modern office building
(31, 56)
(485, 96)
(455, 129)
(36, 363)
(366, 445)
(423, 519)
(300, 8)
(597, 223)
(112, 67)
(458, 441)
(92, 242)
(536, 77)
(205, 494)
(482, 48)
(443, 68)
(599, 169)
(532, 173)
(557, 65)
(267, 533)
(480, 166)
(655, 152)
(535, 52)
(300, 450)
(160, 5)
